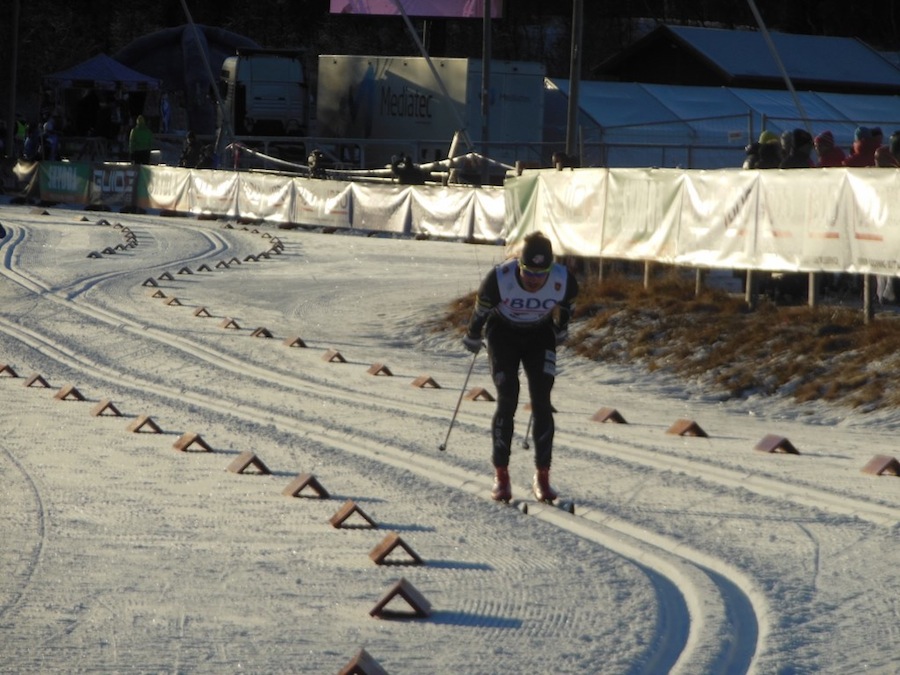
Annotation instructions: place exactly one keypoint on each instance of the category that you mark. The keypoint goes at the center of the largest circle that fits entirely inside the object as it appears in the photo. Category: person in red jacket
(865, 143)
(829, 153)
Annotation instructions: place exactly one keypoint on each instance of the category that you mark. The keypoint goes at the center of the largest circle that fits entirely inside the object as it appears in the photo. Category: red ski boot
(501, 491)
(543, 492)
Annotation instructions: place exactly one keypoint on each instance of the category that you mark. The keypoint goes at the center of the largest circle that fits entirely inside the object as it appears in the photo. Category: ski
(522, 505)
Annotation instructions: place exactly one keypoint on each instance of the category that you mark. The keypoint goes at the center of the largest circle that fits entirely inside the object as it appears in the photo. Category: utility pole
(486, 91)
(574, 78)
(13, 73)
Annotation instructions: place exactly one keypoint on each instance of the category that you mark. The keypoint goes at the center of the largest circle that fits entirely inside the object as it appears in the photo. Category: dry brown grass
(714, 341)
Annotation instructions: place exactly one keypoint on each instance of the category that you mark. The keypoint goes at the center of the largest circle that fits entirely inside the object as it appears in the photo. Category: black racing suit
(520, 329)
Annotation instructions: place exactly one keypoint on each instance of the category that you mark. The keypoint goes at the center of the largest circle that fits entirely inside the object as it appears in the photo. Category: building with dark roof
(712, 57)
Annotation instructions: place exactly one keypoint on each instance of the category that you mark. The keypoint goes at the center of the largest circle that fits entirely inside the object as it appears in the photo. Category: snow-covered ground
(686, 554)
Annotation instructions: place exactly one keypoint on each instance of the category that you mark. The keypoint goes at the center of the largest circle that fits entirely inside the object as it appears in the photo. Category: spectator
(864, 147)
(885, 159)
(165, 113)
(796, 147)
(894, 144)
(50, 141)
(765, 153)
(190, 152)
(829, 153)
(31, 148)
(140, 141)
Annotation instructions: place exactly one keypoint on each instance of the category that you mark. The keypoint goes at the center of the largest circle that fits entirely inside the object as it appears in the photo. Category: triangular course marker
(880, 465)
(424, 381)
(144, 421)
(420, 606)
(204, 268)
(105, 407)
(68, 393)
(347, 510)
(6, 370)
(261, 332)
(229, 323)
(379, 369)
(37, 380)
(391, 542)
(686, 428)
(149, 282)
(245, 460)
(189, 440)
(156, 294)
(166, 276)
(608, 415)
(173, 302)
(202, 311)
(295, 342)
(185, 270)
(362, 664)
(333, 355)
(479, 394)
(775, 443)
(303, 481)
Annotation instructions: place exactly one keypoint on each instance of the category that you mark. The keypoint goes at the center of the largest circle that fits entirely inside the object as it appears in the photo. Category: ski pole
(443, 446)
(527, 431)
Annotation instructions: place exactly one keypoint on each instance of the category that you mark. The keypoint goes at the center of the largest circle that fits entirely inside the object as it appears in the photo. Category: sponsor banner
(214, 192)
(718, 219)
(67, 182)
(520, 198)
(381, 208)
(870, 214)
(797, 220)
(440, 211)
(489, 206)
(265, 197)
(643, 211)
(168, 189)
(322, 202)
(572, 208)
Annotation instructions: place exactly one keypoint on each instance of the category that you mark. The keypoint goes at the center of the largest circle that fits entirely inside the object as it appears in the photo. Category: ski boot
(502, 490)
(543, 492)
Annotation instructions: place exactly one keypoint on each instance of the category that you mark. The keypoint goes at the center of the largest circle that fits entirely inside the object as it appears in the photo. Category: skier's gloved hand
(562, 334)
(472, 343)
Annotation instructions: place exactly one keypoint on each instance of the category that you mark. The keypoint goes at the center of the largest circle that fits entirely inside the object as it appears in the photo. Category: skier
(515, 306)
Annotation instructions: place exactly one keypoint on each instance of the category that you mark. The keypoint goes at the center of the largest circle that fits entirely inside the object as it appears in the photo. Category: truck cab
(264, 93)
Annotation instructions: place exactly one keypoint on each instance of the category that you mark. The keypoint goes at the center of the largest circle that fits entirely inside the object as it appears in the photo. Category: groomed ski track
(690, 627)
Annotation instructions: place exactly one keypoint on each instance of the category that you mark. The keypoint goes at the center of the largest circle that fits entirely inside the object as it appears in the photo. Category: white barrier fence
(803, 220)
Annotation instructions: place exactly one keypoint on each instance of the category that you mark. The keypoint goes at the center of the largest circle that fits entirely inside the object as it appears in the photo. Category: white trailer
(381, 106)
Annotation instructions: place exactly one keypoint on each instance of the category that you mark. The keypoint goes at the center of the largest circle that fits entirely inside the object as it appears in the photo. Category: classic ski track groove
(675, 570)
(35, 557)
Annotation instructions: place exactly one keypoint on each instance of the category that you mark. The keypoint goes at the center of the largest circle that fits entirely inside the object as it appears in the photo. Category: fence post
(749, 290)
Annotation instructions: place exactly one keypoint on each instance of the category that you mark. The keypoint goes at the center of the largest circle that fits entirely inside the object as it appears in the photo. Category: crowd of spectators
(796, 148)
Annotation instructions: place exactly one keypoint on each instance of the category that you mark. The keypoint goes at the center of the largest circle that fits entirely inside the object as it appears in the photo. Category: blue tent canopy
(102, 72)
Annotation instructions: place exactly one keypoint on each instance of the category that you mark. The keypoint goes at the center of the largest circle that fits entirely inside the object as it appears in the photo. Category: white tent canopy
(632, 124)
